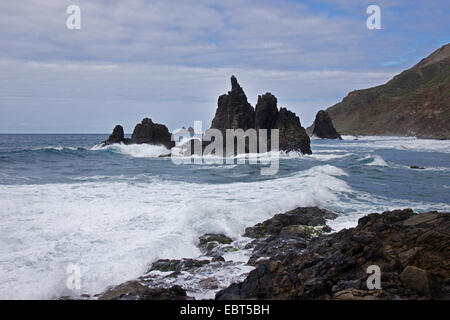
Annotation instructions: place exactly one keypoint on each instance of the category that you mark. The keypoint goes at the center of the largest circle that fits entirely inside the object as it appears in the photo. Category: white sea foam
(376, 161)
(135, 150)
(114, 230)
(398, 143)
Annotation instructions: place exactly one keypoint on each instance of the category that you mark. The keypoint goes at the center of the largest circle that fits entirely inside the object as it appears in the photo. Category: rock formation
(411, 250)
(293, 136)
(152, 133)
(144, 132)
(234, 112)
(323, 127)
(117, 136)
(414, 103)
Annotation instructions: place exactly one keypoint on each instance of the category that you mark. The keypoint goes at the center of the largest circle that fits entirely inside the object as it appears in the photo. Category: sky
(170, 60)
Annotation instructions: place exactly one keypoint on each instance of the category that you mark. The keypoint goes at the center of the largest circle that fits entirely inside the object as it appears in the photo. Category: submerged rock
(323, 126)
(293, 136)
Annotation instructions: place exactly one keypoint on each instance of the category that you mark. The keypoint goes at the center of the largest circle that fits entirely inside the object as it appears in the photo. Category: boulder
(323, 127)
(416, 279)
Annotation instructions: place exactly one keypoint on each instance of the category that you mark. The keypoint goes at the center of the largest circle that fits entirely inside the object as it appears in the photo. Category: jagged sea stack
(323, 127)
(234, 112)
(117, 136)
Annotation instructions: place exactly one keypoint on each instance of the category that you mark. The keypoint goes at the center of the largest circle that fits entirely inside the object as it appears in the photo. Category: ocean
(114, 210)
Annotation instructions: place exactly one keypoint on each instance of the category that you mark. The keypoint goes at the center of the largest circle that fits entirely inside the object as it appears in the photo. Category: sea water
(112, 211)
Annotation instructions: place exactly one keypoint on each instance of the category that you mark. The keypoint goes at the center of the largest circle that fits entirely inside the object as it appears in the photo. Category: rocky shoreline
(294, 256)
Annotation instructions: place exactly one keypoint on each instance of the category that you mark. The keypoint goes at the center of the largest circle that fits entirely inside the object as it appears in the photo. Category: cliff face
(414, 103)
(234, 112)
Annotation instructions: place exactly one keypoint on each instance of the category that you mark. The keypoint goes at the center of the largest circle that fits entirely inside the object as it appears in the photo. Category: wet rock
(209, 283)
(214, 244)
(134, 290)
(323, 126)
(233, 110)
(218, 259)
(166, 265)
(117, 136)
(152, 133)
(417, 167)
(291, 221)
(334, 266)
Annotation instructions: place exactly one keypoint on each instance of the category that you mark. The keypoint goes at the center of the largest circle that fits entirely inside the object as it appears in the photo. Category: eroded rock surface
(412, 251)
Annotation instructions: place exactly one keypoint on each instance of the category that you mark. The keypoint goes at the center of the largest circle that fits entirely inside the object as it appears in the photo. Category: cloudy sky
(170, 60)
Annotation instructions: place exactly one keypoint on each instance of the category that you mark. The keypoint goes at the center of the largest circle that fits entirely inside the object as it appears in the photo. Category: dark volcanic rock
(152, 133)
(134, 290)
(166, 265)
(323, 127)
(293, 136)
(266, 112)
(414, 103)
(233, 110)
(304, 216)
(412, 251)
(117, 136)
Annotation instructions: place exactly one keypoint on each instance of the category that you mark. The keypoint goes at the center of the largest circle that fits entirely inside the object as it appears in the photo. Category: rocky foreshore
(294, 256)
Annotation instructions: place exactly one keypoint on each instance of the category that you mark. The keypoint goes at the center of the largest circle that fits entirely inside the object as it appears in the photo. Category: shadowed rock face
(152, 133)
(323, 127)
(293, 136)
(234, 112)
(266, 112)
(117, 136)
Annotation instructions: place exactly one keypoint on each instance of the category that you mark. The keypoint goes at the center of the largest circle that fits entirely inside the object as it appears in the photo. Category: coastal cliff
(414, 103)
